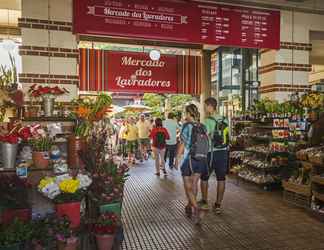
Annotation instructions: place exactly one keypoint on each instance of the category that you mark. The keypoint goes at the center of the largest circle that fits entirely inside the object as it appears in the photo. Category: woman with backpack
(193, 150)
(159, 135)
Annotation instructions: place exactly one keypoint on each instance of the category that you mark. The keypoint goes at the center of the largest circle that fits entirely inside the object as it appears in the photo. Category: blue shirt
(185, 137)
(171, 126)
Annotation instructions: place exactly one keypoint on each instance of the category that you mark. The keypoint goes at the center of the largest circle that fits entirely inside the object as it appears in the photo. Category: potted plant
(105, 229)
(66, 191)
(41, 144)
(66, 238)
(85, 112)
(43, 234)
(13, 236)
(13, 203)
(48, 95)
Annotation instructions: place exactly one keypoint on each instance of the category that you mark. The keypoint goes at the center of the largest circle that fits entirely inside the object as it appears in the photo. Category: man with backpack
(193, 149)
(218, 156)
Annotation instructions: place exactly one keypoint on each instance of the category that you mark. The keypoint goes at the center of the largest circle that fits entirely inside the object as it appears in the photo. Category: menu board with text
(176, 21)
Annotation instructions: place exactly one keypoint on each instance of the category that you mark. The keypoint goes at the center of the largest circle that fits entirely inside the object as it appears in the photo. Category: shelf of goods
(311, 160)
(268, 149)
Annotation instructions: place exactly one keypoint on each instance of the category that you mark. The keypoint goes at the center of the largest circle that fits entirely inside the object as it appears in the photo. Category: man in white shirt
(144, 129)
(171, 145)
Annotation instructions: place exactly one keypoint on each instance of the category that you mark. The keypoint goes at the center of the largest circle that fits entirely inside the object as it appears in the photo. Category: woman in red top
(159, 135)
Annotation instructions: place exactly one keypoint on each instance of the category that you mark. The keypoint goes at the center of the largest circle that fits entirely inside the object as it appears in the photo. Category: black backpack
(199, 142)
(218, 135)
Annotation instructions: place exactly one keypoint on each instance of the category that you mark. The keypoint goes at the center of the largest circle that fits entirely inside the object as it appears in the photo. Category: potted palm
(13, 236)
(105, 230)
(41, 144)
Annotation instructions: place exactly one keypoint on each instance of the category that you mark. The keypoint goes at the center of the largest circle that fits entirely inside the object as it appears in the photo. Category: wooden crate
(304, 190)
(298, 200)
(318, 179)
(319, 196)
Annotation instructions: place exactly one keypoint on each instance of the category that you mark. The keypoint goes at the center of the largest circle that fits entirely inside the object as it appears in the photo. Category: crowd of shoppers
(199, 148)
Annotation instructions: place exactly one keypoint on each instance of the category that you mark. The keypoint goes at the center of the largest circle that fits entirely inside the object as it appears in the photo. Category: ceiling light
(155, 54)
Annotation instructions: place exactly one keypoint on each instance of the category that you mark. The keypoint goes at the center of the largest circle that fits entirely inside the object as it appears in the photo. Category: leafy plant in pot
(14, 235)
(66, 238)
(43, 234)
(105, 229)
(13, 203)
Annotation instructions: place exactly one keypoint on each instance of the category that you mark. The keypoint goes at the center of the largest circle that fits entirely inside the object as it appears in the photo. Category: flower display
(39, 91)
(69, 187)
(17, 134)
(107, 223)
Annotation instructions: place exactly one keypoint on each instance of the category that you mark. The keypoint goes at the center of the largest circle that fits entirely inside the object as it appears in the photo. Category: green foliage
(43, 231)
(42, 144)
(16, 232)
(157, 102)
(8, 76)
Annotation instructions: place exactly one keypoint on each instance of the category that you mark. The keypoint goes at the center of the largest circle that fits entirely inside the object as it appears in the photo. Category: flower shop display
(43, 232)
(65, 236)
(105, 229)
(85, 112)
(41, 144)
(48, 95)
(13, 203)
(66, 191)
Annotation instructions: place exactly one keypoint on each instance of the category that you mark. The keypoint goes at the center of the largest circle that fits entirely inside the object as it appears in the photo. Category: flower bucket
(112, 207)
(75, 144)
(11, 247)
(9, 215)
(105, 242)
(40, 159)
(72, 211)
(70, 245)
(9, 154)
(48, 105)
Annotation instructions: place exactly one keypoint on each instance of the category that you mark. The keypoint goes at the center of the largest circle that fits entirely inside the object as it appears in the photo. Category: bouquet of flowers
(65, 188)
(17, 134)
(40, 91)
(39, 139)
(87, 110)
(107, 223)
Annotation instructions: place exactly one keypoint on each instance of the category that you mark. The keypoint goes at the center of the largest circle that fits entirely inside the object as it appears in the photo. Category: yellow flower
(69, 186)
(45, 181)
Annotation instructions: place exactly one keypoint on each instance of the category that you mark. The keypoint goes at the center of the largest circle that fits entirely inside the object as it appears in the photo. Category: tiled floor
(153, 216)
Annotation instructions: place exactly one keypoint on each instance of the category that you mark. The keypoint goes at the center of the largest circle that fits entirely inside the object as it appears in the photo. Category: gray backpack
(199, 142)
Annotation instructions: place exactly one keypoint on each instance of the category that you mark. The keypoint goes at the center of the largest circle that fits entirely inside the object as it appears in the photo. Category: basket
(295, 199)
(318, 179)
(318, 196)
(304, 190)
(317, 159)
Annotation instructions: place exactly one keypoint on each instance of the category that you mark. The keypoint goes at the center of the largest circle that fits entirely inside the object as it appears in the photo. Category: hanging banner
(136, 72)
(113, 71)
(176, 21)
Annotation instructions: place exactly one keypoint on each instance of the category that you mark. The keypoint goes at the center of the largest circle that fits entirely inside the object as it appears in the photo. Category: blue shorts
(197, 167)
(219, 165)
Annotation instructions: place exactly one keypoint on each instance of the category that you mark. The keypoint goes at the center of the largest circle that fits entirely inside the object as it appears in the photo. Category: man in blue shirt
(171, 145)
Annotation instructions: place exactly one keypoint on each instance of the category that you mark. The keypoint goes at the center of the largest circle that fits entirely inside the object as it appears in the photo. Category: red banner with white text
(179, 21)
(102, 70)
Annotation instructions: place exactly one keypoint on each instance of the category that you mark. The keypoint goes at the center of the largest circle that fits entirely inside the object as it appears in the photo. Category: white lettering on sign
(122, 82)
(117, 13)
(130, 61)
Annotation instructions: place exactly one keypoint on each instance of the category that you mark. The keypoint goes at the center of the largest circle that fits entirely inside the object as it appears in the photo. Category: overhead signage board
(178, 21)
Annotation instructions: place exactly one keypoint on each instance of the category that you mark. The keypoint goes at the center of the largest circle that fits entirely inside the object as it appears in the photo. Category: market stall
(278, 145)
(60, 185)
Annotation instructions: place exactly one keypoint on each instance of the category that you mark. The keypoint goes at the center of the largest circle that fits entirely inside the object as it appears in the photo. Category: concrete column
(205, 81)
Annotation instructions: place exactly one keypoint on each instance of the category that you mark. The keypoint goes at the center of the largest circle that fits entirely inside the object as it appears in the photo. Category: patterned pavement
(153, 218)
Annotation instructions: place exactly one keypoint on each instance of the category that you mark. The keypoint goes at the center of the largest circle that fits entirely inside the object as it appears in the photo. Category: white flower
(51, 190)
(85, 180)
(62, 177)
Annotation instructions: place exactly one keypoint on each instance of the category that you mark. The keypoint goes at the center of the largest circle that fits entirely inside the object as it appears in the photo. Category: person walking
(131, 138)
(191, 167)
(171, 145)
(144, 129)
(122, 139)
(218, 156)
(159, 136)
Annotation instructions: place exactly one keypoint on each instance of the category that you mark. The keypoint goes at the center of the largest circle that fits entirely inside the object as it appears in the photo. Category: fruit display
(258, 178)
(313, 101)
